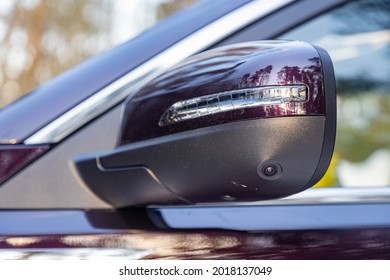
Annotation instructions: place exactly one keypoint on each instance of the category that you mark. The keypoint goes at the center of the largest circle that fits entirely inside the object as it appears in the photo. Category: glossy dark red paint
(15, 157)
(240, 66)
(363, 243)
(291, 245)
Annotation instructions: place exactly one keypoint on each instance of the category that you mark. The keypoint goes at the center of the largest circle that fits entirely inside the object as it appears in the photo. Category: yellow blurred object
(330, 177)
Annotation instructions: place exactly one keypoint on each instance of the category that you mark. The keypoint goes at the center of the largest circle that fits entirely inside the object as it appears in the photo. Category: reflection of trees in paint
(309, 75)
(259, 78)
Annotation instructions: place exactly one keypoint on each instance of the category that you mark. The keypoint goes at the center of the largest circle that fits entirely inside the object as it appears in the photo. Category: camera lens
(270, 170)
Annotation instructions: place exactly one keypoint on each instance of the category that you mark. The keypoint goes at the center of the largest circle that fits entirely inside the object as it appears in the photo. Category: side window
(357, 36)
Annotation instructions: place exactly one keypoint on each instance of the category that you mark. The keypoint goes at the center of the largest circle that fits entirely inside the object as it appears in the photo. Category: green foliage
(363, 127)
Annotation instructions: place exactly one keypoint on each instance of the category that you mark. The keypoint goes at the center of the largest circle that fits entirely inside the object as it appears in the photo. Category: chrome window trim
(316, 196)
(314, 209)
(335, 195)
(114, 93)
(339, 208)
(280, 217)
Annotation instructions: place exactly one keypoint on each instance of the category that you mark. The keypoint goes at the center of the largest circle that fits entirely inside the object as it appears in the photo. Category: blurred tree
(169, 7)
(43, 38)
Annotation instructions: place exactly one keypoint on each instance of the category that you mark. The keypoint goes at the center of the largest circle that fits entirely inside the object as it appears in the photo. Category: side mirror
(239, 123)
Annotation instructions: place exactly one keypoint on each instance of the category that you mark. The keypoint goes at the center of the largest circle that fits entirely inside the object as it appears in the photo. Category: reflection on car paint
(228, 69)
(333, 244)
(15, 157)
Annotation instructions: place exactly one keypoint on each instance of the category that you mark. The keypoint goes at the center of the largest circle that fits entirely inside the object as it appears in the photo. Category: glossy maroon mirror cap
(241, 123)
(223, 72)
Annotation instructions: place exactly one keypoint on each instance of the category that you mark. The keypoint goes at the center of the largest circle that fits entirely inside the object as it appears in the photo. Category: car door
(338, 222)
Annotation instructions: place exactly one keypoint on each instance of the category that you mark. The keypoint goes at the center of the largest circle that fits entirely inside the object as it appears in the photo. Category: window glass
(357, 37)
(42, 38)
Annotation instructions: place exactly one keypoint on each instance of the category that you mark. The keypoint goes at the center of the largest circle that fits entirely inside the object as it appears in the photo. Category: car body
(47, 211)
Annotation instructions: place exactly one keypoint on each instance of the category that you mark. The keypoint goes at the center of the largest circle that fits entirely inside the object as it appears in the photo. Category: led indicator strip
(232, 100)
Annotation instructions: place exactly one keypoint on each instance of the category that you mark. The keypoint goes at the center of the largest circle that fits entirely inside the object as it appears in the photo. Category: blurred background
(357, 37)
(41, 38)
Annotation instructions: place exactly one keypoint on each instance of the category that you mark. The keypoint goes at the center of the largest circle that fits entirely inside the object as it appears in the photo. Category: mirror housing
(239, 123)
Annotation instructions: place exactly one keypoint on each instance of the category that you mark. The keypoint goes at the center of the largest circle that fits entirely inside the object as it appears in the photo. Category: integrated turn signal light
(232, 100)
